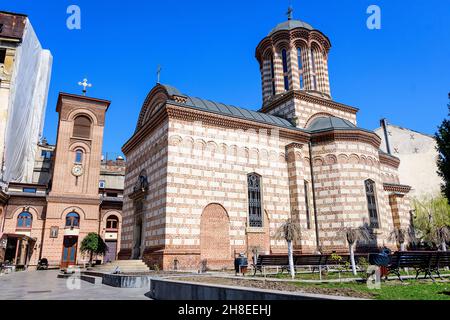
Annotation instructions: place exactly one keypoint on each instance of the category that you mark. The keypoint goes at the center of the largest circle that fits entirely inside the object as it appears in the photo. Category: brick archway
(215, 237)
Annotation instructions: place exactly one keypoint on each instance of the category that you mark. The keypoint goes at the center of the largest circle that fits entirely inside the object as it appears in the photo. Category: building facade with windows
(74, 191)
(25, 71)
(206, 181)
(418, 153)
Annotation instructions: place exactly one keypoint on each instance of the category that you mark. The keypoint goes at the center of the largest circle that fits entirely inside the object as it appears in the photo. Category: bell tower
(73, 204)
(79, 145)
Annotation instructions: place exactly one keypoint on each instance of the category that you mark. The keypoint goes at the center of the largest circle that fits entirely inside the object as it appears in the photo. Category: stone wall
(150, 158)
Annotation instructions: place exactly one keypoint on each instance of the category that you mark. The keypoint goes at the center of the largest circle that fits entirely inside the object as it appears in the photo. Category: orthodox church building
(207, 180)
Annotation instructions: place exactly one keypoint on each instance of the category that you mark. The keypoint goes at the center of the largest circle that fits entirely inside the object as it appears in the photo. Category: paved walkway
(44, 285)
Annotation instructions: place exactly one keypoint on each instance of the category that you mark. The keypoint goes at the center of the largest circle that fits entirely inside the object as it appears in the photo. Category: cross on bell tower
(85, 85)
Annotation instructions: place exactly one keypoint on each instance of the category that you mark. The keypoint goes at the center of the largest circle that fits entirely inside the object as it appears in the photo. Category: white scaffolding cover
(27, 104)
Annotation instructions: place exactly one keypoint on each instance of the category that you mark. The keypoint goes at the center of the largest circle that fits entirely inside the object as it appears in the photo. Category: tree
(443, 146)
(93, 244)
(402, 236)
(353, 235)
(432, 221)
(289, 231)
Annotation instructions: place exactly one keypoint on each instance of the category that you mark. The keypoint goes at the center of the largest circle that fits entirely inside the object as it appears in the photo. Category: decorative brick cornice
(296, 94)
(389, 160)
(357, 135)
(190, 114)
(294, 146)
(77, 200)
(291, 36)
(145, 130)
(398, 188)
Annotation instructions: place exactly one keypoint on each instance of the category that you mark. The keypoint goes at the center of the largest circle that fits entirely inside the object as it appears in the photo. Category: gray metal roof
(228, 110)
(325, 123)
(319, 124)
(232, 111)
(172, 91)
(291, 24)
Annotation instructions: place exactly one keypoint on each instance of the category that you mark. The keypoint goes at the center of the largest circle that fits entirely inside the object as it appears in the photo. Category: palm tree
(442, 236)
(401, 236)
(289, 231)
(352, 236)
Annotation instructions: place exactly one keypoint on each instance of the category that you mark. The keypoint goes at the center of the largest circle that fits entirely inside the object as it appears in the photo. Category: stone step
(94, 280)
(126, 262)
(122, 270)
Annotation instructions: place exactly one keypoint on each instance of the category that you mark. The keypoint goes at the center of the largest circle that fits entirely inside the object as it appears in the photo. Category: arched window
(73, 220)
(255, 216)
(300, 67)
(112, 223)
(313, 69)
(285, 69)
(25, 220)
(308, 213)
(272, 74)
(79, 156)
(372, 204)
(82, 127)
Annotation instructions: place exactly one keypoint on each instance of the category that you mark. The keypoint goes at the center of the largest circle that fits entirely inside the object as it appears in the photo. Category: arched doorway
(215, 237)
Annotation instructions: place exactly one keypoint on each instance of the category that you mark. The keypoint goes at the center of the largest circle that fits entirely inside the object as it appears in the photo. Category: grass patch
(395, 290)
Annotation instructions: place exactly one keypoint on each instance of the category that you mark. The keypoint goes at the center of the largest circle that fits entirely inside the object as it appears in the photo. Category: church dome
(327, 123)
(290, 25)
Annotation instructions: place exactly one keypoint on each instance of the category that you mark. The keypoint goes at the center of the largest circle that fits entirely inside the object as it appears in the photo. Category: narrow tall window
(79, 156)
(272, 74)
(254, 201)
(2, 55)
(313, 63)
(82, 127)
(285, 69)
(372, 204)
(300, 67)
(308, 215)
(24, 220)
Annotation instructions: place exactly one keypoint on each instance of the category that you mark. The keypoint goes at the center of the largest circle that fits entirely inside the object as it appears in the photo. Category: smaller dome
(325, 123)
(291, 24)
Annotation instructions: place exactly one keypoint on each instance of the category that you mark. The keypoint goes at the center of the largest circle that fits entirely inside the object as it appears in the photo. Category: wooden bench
(442, 261)
(420, 261)
(315, 261)
(271, 261)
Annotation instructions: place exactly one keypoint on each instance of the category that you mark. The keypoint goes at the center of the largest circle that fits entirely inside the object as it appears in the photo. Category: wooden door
(69, 254)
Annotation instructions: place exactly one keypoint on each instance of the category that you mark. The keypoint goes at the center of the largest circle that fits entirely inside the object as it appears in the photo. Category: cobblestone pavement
(44, 285)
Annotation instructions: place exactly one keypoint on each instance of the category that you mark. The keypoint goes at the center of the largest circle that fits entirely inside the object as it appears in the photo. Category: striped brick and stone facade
(195, 166)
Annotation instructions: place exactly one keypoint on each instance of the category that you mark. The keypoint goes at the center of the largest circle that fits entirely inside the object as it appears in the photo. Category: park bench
(264, 261)
(420, 261)
(316, 261)
(442, 261)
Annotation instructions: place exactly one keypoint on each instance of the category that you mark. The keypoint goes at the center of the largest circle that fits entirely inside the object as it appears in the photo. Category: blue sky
(207, 48)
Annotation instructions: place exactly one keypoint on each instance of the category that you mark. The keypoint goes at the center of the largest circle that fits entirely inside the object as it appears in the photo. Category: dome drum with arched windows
(294, 56)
